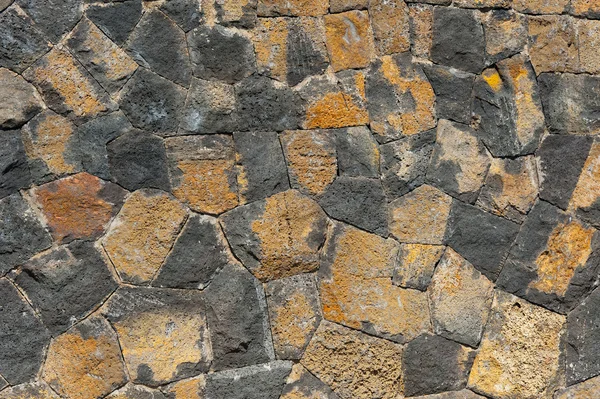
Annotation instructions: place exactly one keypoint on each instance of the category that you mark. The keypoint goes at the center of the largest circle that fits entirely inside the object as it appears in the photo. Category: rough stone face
(301, 384)
(336, 6)
(21, 234)
(203, 173)
(540, 6)
(553, 43)
(116, 19)
(67, 88)
(142, 234)
(162, 332)
(199, 253)
(553, 262)
(138, 160)
(390, 26)
(20, 43)
(588, 43)
(508, 108)
(210, 108)
(421, 29)
(85, 361)
(400, 98)
(505, 34)
(357, 291)
(415, 266)
(131, 391)
(584, 390)
(53, 19)
(357, 152)
(298, 8)
(460, 162)
(453, 90)
(253, 382)
(66, 284)
(585, 8)
(19, 101)
(358, 201)
(34, 390)
(584, 200)
(23, 338)
(349, 39)
(219, 53)
(79, 206)
(519, 338)
(238, 319)
(103, 59)
(583, 332)
(480, 237)
(187, 14)
(561, 160)
(483, 3)
(463, 394)
(460, 299)
(433, 364)
(290, 49)
(458, 39)
(354, 364)
(569, 102)
(151, 102)
(191, 388)
(261, 167)
(241, 13)
(420, 216)
(277, 237)
(511, 188)
(14, 168)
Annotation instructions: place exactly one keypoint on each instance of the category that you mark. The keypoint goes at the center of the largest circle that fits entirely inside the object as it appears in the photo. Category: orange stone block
(349, 39)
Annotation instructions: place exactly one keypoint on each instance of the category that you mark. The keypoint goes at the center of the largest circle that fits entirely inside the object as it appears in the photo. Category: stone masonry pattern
(299, 199)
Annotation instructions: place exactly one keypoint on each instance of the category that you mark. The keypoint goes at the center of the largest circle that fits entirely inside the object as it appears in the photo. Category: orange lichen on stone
(357, 291)
(568, 249)
(493, 79)
(587, 191)
(421, 29)
(540, 6)
(416, 263)
(142, 234)
(390, 26)
(85, 362)
(311, 159)
(553, 46)
(192, 388)
(420, 217)
(585, 7)
(285, 231)
(314, 8)
(74, 207)
(349, 40)
(270, 43)
(335, 110)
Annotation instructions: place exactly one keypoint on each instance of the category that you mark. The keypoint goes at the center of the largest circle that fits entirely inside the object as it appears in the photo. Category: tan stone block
(588, 34)
(354, 364)
(553, 46)
(203, 172)
(519, 356)
(142, 234)
(391, 26)
(336, 6)
(311, 159)
(131, 391)
(483, 3)
(357, 291)
(540, 6)
(585, 8)
(349, 39)
(416, 263)
(505, 33)
(421, 29)
(85, 361)
(298, 8)
(585, 390)
(191, 388)
(32, 390)
(420, 216)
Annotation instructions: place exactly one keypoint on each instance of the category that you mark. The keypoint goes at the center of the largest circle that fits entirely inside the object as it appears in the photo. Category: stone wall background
(248, 199)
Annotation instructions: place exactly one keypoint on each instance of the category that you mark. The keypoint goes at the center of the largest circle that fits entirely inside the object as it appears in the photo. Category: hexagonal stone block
(584, 200)
(294, 313)
(142, 234)
(66, 284)
(390, 26)
(277, 237)
(19, 101)
(33, 390)
(203, 172)
(23, 338)
(116, 19)
(131, 391)
(415, 266)
(355, 283)
(354, 364)
(505, 34)
(553, 46)
(163, 333)
(453, 91)
(14, 168)
(583, 390)
(210, 107)
(274, 8)
(349, 39)
(301, 384)
(22, 44)
(518, 340)
(85, 361)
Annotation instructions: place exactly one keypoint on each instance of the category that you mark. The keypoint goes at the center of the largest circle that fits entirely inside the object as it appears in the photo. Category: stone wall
(284, 199)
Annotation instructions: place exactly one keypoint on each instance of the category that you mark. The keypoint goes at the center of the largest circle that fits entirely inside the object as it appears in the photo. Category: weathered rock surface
(19, 101)
(301, 384)
(453, 91)
(390, 26)
(553, 43)
(14, 169)
(416, 263)
(116, 19)
(210, 107)
(131, 391)
(583, 390)
(349, 39)
(584, 200)
(34, 390)
(505, 34)
(21, 43)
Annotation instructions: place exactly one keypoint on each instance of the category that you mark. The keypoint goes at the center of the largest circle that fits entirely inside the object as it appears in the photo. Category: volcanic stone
(505, 34)
(415, 266)
(349, 39)
(132, 391)
(210, 107)
(583, 331)
(116, 19)
(553, 46)
(33, 390)
(19, 101)
(357, 152)
(20, 42)
(390, 26)
(185, 13)
(14, 167)
(583, 390)
(53, 18)
(585, 201)
(453, 90)
(273, 8)
(301, 384)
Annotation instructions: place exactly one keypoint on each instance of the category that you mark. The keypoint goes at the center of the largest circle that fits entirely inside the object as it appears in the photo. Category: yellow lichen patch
(420, 217)
(35, 390)
(416, 263)
(349, 40)
(335, 110)
(568, 249)
(285, 231)
(192, 388)
(142, 234)
(357, 288)
(311, 159)
(587, 190)
(47, 141)
(270, 44)
(81, 366)
(493, 79)
(520, 352)
(162, 342)
(390, 26)
(297, 8)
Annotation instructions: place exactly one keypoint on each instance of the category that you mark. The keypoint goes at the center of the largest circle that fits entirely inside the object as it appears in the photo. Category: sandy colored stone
(349, 39)
(519, 356)
(460, 298)
(585, 197)
(553, 44)
(483, 3)
(463, 394)
(585, 390)
(353, 364)
(298, 8)
(540, 6)
(203, 172)
(357, 291)
(505, 34)
(191, 388)
(421, 29)
(33, 390)
(311, 159)
(416, 263)
(229, 12)
(301, 384)
(585, 8)
(85, 361)
(79, 206)
(420, 216)
(511, 187)
(391, 26)
(588, 35)
(336, 6)
(142, 234)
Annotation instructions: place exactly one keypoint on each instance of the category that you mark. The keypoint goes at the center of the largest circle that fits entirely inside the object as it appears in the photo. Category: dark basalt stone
(21, 44)
(14, 167)
(116, 19)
